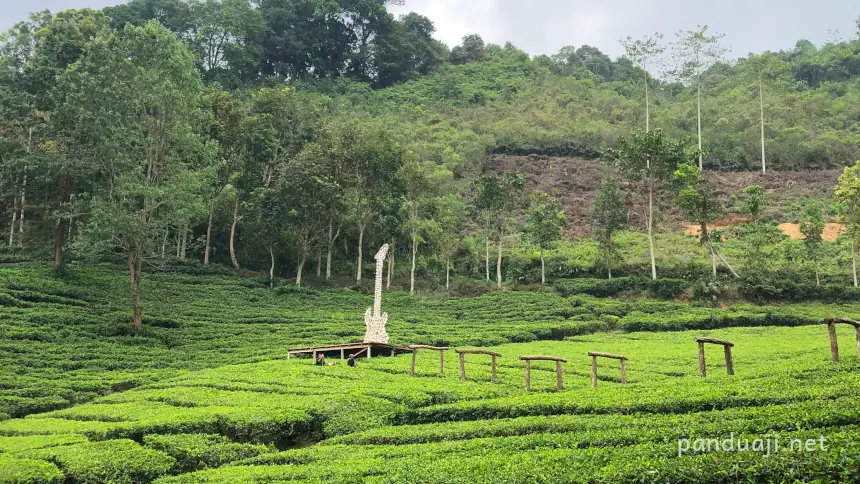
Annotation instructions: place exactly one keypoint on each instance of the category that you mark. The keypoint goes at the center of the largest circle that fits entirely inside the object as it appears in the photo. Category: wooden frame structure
(595, 354)
(440, 349)
(367, 348)
(462, 355)
(558, 372)
(727, 349)
(834, 344)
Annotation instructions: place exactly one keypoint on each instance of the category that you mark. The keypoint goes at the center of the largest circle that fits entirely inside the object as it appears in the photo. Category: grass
(205, 394)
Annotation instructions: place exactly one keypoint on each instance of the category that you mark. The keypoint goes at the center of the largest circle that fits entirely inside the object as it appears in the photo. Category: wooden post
(288, 355)
(442, 362)
(392, 351)
(412, 370)
(623, 371)
(341, 353)
(528, 376)
(834, 345)
(702, 371)
(593, 372)
(368, 352)
(493, 370)
(315, 356)
(729, 368)
(558, 383)
(857, 329)
(462, 367)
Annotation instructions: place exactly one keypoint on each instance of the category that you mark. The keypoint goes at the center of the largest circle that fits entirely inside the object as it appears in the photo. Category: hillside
(578, 181)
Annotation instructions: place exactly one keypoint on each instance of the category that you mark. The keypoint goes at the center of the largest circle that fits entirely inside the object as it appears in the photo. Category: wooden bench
(558, 376)
(462, 354)
(727, 349)
(440, 349)
(596, 354)
(831, 328)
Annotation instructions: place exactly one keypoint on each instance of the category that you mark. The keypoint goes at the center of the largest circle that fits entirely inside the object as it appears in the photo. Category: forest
(293, 137)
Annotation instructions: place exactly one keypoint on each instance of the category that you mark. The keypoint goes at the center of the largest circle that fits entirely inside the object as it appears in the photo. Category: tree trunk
(178, 243)
(184, 240)
(59, 239)
(14, 219)
(761, 105)
(706, 239)
(390, 266)
(542, 269)
(853, 261)
(487, 257)
(360, 250)
(647, 106)
(301, 268)
(23, 204)
(233, 233)
(208, 235)
(164, 243)
(412, 272)
(271, 268)
(723, 260)
(609, 270)
(134, 264)
(332, 237)
(699, 114)
(319, 263)
(650, 223)
(447, 274)
(817, 277)
(499, 266)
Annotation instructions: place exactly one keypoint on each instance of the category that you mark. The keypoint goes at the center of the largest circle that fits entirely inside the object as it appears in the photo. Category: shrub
(25, 471)
(116, 461)
(200, 451)
(660, 288)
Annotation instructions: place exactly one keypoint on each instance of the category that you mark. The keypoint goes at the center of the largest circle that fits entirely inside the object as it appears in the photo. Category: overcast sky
(543, 26)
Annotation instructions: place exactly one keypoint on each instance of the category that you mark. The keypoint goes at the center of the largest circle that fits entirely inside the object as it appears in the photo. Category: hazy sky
(543, 26)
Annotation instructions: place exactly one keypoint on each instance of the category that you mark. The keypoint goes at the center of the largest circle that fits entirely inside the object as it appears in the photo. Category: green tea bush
(200, 451)
(660, 288)
(14, 470)
(112, 461)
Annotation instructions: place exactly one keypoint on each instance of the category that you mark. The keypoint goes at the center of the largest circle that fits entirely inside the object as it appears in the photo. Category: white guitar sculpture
(374, 318)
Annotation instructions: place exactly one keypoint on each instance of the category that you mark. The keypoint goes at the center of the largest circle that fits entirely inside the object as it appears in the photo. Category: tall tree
(451, 212)
(643, 53)
(608, 216)
(847, 197)
(649, 161)
(698, 51)
(700, 203)
(544, 223)
(229, 117)
(225, 35)
(499, 198)
(812, 228)
(371, 174)
(759, 68)
(135, 99)
(418, 208)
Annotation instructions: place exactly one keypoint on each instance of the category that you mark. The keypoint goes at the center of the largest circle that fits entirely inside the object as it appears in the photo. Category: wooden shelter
(462, 354)
(440, 349)
(596, 354)
(831, 328)
(558, 373)
(727, 349)
(359, 349)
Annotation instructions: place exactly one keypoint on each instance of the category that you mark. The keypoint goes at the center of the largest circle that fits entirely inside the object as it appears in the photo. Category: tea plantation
(206, 394)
